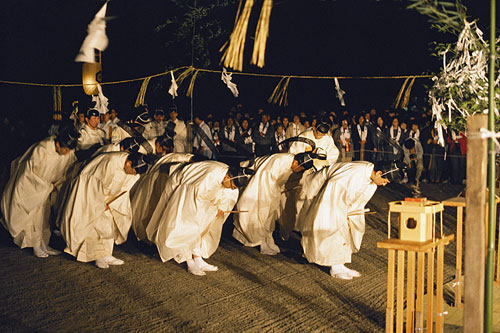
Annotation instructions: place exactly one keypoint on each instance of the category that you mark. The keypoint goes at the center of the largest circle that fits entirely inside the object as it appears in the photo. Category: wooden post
(389, 312)
(430, 290)
(400, 291)
(458, 272)
(474, 225)
(410, 292)
(419, 314)
(439, 289)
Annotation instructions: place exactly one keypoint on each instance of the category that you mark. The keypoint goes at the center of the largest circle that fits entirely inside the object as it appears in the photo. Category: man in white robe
(332, 220)
(26, 199)
(180, 137)
(187, 222)
(145, 194)
(97, 213)
(261, 199)
(324, 145)
(91, 134)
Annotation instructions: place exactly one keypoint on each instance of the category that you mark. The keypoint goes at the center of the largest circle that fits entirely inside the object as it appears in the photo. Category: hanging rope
(261, 34)
(406, 99)
(400, 94)
(233, 54)
(142, 93)
(279, 95)
(57, 103)
(189, 92)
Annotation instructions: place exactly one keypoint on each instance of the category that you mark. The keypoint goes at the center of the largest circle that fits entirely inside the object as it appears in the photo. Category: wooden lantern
(417, 220)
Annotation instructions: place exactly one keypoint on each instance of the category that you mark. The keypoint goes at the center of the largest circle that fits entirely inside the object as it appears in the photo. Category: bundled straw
(184, 75)
(142, 92)
(261, 34)
(57, 103)
(191, 84)
(406, 99)
(400, 94)
(233, 55)
(280, 93)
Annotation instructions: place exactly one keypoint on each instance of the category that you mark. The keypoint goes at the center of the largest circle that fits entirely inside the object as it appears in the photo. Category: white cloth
(119, 134)
(184, 220)
(146, 192)
(332, 220)
(89, 137)
(26, 198)
(88, 228)
(362, 132)
(324, 145)
(261, 198)
(345, 134)
(180, 138)
(96, 37)
(395, 136)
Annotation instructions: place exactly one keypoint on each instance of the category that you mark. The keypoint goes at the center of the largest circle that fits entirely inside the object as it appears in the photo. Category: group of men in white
(179, 201)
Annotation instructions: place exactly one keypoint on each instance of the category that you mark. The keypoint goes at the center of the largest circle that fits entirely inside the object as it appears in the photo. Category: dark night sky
(362, 37)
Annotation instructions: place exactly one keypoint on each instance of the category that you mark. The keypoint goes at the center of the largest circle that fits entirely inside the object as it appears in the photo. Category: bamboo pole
(419, 313)
(430, 290)
(410, 293)
(475, 198)
(491, 175)
(400, 291)
(458, 273)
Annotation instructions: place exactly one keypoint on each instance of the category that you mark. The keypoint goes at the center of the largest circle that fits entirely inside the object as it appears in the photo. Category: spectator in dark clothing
(457, 147)
(380, 147)
(263, 134)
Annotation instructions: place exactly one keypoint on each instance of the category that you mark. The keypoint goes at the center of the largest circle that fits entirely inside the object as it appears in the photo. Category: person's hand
(219, 213)
(378, 180)
(363, 142)
(107, 207)
(261, 134)
(375, 149)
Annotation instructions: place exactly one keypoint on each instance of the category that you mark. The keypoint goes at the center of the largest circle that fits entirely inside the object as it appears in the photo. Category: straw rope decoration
(142, 92)
(400, 94)
(233, 54)
(406, 99)
(280, 93)
(189, 92)
(57, 103)
(261, 34)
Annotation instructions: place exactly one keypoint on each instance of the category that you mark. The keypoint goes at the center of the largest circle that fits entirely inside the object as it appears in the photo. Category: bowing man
(26, 199)
(96, 213)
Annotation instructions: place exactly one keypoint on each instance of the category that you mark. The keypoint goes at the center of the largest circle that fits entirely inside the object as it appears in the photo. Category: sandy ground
(250, 292)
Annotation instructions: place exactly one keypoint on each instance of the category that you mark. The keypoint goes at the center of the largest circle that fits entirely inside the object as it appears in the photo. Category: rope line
(217, 71)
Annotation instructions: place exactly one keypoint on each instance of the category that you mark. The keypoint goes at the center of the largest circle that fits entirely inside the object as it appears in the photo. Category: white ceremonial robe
(184, 221)
(324, 145)
(119, 134)
(332, 220)
(89, 137)
(87, 227)
(261, 198)
(180, 138)
(26, 198)
(145, 194)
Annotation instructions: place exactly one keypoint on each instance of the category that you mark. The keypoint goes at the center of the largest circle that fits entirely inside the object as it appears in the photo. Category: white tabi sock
(352, 272)
(49, 250)
(193, 268)
(271, 245)
(340, 272)
(204, 266)
(110, 260)
(266, 249)
(101, 263)
(39, 252)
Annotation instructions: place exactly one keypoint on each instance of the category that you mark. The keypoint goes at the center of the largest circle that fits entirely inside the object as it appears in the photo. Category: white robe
(332, 220)
(87, 227)
(261, 198)
(324, 145)
(180, 138)
(89, 137)
(145, 194)
(184, 221)
(26, 198)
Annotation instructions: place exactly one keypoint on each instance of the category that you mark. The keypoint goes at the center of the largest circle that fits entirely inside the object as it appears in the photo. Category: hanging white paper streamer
(96, 37)
(101, 101)
(226, 78)
(340, 92)
(173, 87)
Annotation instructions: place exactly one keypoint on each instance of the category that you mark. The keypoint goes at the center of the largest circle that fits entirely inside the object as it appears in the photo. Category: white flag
(226, 78)
(173, 87)
(101, 101)
(96, 37)
(340, 92)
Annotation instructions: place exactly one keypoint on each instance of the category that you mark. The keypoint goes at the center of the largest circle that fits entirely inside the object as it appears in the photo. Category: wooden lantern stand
(416, 224)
